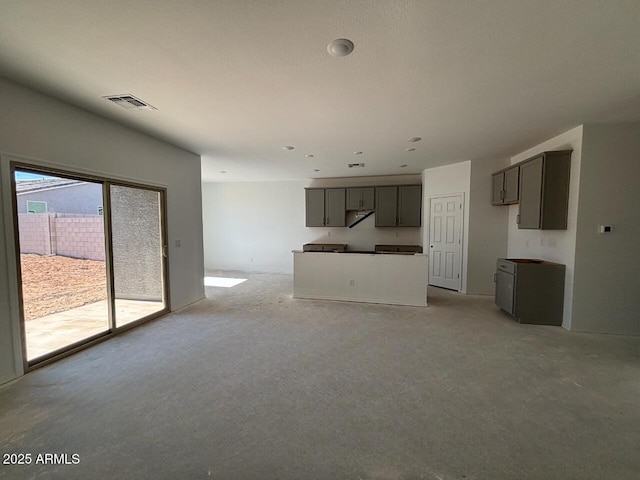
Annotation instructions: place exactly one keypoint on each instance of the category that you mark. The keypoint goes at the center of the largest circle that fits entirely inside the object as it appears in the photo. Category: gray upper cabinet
(544, 191)
(395, 206)
(361, 198)
(314, 207)
(505, 186)
(409, 206)
(399, 206)
(335, 207)
(386, 206)
(325, 207)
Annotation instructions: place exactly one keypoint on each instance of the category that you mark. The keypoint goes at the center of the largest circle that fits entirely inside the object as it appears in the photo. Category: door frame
(13, 242)
(462, 234)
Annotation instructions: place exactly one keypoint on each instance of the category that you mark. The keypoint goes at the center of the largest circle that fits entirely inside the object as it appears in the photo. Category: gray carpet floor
(253, 384)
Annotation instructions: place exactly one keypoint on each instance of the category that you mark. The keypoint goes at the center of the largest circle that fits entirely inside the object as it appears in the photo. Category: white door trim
(462, 234)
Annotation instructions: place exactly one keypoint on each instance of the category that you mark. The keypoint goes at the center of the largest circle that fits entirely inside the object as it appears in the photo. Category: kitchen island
(373, 277)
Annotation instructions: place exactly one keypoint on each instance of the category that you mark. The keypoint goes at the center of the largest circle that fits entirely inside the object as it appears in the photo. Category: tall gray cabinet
(544, 191)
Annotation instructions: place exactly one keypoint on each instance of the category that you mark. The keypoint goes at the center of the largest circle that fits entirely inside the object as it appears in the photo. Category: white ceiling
(236, 80)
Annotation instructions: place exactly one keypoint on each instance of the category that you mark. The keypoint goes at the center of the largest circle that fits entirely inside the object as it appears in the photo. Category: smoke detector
(129, 102)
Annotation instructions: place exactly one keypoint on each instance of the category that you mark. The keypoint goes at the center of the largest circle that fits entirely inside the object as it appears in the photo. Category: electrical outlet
(178, 243)
(352, 283)
(329, 233)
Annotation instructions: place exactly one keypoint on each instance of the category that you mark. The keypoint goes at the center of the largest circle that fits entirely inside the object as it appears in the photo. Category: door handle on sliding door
(164, 251)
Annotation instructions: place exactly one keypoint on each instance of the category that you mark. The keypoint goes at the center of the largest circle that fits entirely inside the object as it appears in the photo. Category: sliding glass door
(90, 259)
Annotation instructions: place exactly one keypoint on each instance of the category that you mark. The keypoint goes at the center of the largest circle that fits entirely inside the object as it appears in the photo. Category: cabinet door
(335, 207)
(497, 183)
(504, 291)
(409, 206)
(511, 179)
(530, 193)
(386, 206)
(314, 207)
(354, 198)
(368, 196)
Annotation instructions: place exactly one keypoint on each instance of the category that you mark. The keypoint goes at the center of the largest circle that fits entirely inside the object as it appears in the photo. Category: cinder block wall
(35, 234)
(79, 237)
(75, 236)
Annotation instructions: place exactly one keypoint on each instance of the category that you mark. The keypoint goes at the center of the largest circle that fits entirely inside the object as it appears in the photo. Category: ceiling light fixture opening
(309, 155)
(404, 165)
(410, 149)
(414, 139)
(340, 47)
(357, 153)
(288, 147)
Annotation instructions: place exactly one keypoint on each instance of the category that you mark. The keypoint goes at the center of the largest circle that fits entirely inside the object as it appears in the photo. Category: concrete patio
(52, 332)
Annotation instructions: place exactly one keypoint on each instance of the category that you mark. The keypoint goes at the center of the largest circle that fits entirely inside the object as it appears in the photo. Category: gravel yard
(52, 284)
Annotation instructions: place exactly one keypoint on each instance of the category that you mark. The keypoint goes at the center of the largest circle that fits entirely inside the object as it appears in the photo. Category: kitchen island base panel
(370, 278)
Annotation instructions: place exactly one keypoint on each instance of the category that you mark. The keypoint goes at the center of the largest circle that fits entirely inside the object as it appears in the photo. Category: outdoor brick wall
(35, 235)
(76, 236)
(79, 237)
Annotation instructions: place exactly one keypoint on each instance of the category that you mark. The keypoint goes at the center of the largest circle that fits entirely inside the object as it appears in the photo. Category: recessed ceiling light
(404, 165)
(410, 149)
(288, 147)
(414, 139)
(316, 169)
(309, 155)
(340, 47)
(223, 171)
(357, 153)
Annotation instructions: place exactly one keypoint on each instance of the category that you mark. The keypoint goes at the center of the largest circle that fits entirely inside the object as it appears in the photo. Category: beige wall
(487, 228)
(606, 295)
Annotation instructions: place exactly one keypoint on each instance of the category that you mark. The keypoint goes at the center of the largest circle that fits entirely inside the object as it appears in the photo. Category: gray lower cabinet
(360, 198)
(544, 191)
(325, 207)
(399, 206)
(505, 186)
(530, 290)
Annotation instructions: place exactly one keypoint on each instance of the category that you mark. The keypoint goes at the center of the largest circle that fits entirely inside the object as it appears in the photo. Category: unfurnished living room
(319, 239)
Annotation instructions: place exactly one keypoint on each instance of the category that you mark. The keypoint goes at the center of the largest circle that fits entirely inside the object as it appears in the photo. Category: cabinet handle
(501, 194)
(495, 275)
(518, 219)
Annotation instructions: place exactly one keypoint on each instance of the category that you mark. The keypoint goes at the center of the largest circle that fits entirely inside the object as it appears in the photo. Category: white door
(445, 241)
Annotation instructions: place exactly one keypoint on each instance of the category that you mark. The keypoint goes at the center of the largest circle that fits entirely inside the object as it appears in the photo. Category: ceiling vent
(355, 165)
(129, 102)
